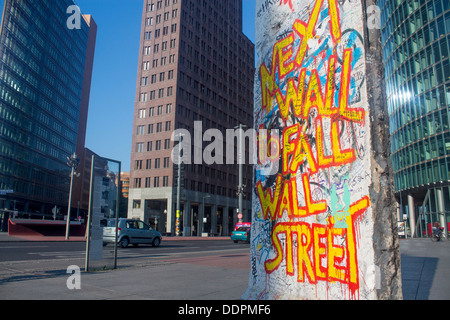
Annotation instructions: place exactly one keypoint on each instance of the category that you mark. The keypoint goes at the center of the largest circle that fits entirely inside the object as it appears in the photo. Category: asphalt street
(181, 269)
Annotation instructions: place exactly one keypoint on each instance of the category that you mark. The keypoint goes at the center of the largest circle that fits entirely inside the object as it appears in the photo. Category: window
(168, 125)
(140, 130)
(156, 182)
(140, 147)
(137, 184)
(148, 35)
(141, 113)
(138, 165)
(148, 182)
(158, 145)
(157, 163)
(165, 181)
(166, 162)
(148, 164)
(136, 203)
(167, 144)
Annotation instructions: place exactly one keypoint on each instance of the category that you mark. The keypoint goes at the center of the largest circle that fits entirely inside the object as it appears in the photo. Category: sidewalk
(425, 271)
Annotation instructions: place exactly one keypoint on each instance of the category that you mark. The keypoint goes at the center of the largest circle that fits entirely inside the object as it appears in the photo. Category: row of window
(434, 123)
(154, 78)
(149, 96)
(152, 6)
(151, 182)
(140, 130)
(422, 174)
(436, 146)
(154, 182)
(146, 147)
(138, 165)
(142, 113)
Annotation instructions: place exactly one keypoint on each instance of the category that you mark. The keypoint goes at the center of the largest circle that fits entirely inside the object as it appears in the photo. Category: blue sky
(113, 86)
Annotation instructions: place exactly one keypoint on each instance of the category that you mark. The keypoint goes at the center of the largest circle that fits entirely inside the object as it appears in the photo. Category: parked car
(242, 224)
(130, 231)
(241, 234)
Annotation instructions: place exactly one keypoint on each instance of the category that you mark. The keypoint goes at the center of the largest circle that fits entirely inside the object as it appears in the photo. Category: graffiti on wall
(311, 200)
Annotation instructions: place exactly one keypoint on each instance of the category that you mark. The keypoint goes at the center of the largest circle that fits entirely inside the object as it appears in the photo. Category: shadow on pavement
(417, 276)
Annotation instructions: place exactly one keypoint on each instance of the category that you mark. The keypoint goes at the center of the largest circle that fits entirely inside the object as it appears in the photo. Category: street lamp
(178, 212)
(72, 162)
(241, 186)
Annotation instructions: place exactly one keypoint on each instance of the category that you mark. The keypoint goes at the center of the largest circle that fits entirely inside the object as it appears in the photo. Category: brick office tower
(195, 73)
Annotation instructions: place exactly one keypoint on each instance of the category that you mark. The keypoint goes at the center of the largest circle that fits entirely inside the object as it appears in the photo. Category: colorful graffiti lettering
(308, 90)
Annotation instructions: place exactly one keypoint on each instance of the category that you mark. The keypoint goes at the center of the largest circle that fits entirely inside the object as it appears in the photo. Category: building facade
(45, 76)
(416, 44)
(195, 73)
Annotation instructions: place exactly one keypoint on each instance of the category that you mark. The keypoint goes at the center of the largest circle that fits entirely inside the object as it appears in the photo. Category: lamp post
(241, 186)
(72, 162)
(178, 212)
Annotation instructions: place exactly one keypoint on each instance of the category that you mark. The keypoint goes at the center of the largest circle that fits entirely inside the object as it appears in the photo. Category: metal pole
(117, 216)
(88, 238)
(70, 204)
(240, 187)
(177, 220)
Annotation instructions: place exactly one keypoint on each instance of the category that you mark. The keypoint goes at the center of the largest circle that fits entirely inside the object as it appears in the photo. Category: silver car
(130, 231)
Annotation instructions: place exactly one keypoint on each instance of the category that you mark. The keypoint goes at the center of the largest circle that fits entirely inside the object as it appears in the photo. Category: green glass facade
(416, 46)
(41, 82)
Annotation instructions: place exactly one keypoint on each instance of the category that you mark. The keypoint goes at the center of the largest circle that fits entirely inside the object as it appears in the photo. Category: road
(25, 259)
(25, 251)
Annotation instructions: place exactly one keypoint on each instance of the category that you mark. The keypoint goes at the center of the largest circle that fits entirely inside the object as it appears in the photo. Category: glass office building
(416, 44)
(45, 72)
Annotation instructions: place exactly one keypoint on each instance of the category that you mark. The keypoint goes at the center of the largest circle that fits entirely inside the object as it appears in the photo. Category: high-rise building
(416, 44)
(195, 73)
(46, 57)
